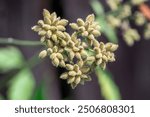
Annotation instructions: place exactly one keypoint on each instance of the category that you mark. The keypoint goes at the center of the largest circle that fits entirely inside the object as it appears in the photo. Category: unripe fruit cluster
(70, 51)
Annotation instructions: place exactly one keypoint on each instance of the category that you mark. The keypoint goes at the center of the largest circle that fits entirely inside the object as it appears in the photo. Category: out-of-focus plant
(109, 89)
(1, 97)
(80, 53)
(108, 86)
(120, 15)
(101, 19)
(40, 92)
(17, 78)
(17, 74)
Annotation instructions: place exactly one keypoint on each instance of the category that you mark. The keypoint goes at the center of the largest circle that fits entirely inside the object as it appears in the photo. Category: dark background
(131, 70)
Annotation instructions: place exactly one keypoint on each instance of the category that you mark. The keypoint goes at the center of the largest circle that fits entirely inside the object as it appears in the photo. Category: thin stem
(11, 41)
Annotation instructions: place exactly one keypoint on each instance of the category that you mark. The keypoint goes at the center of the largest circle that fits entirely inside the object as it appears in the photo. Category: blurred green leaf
(109, 89)
(40, 92)
(109, 32)
(1, 97)
(10, 58)
(21, 86)
(97, 7)
(21, 83)
(6, 77)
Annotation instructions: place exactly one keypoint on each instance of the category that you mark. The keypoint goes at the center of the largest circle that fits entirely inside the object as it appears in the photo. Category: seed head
(78, 57)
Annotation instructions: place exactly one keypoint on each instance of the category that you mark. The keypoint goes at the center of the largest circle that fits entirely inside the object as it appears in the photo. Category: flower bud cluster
(105, 54)
(125, 12)
(139, 18)
(88, 28)
(113, 21)
(51, 28)
(113, 4)
(130, 36)
(122, 13)
(137, 2)
(76, 74)
(70, 51)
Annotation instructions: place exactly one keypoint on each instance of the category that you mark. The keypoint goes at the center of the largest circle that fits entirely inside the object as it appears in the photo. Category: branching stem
(11, 41)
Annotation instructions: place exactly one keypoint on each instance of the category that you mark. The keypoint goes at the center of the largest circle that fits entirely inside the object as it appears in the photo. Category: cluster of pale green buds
(105, 54)
(125, 11)
(88, 28)
(113, 4)
(137, 2)
(76, 74)
(120, 18)
(139, 18)
(130, 35)
(72, 51)
(113, 21)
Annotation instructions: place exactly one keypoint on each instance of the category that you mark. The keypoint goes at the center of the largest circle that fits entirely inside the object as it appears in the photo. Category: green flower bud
(43, 54)
(70, 80)
(46, 13)
(46, 26)
(59, 56)
(74, 26)
(72, 73)
(77, 80)
(90, 18)
(36, 28)
(62, 63)
(47, 20)
(69, 67)
(61, 28)
(49, 34)
(42, 33)
(64, 75)
(80, 22)
(55, 62)
(63, 22)
(96, 33)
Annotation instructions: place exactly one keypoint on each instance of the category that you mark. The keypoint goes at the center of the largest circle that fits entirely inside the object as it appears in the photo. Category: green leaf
(109, 89)
(109, 32)
(1, 97)
(10, 58)
(22, 83)
(40, 92)
(97, 7)
(21, 86)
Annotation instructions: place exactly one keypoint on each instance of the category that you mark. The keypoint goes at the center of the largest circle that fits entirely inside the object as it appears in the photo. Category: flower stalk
(12, 41)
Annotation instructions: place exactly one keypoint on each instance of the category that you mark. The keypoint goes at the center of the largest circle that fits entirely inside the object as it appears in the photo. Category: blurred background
(24, 76)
